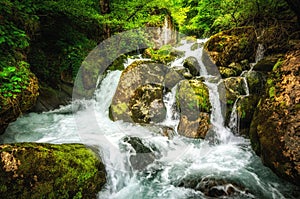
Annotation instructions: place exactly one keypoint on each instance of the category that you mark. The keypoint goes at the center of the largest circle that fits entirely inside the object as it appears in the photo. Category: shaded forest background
(52, 38)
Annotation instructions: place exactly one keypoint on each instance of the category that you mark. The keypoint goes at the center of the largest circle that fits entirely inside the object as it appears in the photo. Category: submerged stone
(36, 170)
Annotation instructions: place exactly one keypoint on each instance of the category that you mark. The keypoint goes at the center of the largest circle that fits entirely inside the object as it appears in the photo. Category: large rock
(138, 97)
(192, 64)
(12, 107)
(35, 170)
(192, 99)
(231, 46)
(275, 128)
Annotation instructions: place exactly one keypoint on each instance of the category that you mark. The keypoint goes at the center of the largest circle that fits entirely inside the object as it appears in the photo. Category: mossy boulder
(274, 130)
(11, 107)
(192, 99)
(139, 95)
(231, 46)
(192, 64)
(165, 54)
(36, 170)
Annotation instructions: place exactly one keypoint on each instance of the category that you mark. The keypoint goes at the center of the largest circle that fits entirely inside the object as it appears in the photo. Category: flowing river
(228, 159)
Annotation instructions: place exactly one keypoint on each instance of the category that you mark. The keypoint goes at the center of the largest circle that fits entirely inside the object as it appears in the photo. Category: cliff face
(275, 128)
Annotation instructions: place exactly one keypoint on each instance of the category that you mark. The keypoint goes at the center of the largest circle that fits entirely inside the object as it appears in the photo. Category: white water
(231, 158)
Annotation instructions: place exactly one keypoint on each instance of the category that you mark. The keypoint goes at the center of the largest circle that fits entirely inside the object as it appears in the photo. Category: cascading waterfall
(234, 121)
(178, 161)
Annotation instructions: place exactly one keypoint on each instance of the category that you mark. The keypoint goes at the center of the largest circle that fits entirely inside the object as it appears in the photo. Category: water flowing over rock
(215, 188)
(142, 155)
(275, 128)
(230, 48)
(193, 103)
(12, 108)
(35, 170)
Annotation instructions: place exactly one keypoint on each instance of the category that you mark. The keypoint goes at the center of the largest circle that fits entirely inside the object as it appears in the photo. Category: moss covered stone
(231, 46)
(192, 99)
(139, 95)
(36, 170)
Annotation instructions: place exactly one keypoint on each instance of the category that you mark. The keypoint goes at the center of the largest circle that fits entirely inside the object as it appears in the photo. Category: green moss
(278, 64)
(51, 171)
(193, 95)
(119, 108)
(272, 92)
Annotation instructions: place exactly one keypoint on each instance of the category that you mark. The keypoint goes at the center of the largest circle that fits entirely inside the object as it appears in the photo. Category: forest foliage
(54, 36)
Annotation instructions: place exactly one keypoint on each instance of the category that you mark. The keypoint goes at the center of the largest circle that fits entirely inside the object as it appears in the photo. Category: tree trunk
(105, 9)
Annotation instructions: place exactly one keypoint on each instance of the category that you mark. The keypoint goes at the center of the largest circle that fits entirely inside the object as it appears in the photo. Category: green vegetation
(35, 170)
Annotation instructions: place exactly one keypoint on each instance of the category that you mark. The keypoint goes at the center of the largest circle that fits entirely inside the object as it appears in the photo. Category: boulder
(275, 127)
(192, 64)
(139, 95)
(231, 46)
(36, 170)
(192, 99)
(11, 107)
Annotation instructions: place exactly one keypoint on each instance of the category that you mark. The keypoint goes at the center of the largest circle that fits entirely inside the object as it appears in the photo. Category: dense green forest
(53, 37)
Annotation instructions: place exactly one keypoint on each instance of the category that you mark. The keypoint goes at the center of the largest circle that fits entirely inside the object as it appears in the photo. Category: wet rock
(52, 98)
(235, 87)
(213, 187)
(267, 63)
(192, 99)
(194, 127)
(192, 64)
(256, 81)
(138, 97)
(142, 155)
(12, 107)
(275, 127)
(36, 170)
(231, 46)
(245, 110)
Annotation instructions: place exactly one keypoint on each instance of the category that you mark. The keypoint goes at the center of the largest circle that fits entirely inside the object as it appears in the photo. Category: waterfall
(177, 160)
(172, 116)
(234, 121)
